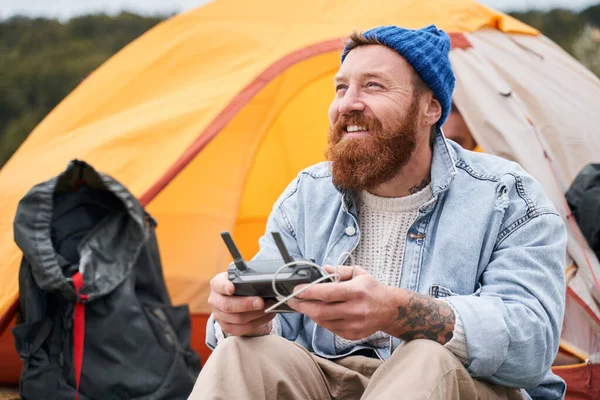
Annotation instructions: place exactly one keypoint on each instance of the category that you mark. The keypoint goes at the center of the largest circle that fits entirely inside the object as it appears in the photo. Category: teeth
(354, 128)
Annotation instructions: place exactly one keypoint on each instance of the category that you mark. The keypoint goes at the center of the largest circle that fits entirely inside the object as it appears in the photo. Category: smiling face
(374, 117)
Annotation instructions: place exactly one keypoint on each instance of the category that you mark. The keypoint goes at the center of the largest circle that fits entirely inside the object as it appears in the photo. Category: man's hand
(237, 315)
(353, 308)
(356, 307)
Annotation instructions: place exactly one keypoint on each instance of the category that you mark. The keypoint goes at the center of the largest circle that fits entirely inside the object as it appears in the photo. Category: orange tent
(209, 115)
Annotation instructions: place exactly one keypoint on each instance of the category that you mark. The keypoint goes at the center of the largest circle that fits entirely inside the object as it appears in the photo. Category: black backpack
(96, 321)
(583, 198)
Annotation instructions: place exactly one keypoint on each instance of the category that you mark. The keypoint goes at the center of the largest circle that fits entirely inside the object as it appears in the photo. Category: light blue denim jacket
(489, 242)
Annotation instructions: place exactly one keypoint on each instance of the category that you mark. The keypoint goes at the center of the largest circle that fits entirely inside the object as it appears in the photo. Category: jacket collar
(443, 164)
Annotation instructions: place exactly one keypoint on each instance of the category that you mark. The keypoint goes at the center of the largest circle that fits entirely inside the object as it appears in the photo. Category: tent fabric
(580, 381)
(146, 106)
(580, 373)
(207, 129)
(536, 70)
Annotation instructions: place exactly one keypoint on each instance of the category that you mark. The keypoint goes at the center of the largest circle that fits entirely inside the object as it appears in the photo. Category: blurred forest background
(42, 60)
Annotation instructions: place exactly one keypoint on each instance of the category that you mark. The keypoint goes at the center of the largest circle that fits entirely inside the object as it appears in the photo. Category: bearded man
(455, 287)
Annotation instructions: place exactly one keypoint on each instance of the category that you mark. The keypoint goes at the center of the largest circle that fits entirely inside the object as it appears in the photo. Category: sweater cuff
(274, 326)
(458, 344)
(219, 334)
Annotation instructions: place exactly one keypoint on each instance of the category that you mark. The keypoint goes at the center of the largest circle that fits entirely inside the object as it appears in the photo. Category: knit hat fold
(427, 50)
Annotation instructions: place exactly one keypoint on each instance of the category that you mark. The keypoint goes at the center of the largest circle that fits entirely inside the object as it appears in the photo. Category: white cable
(283, 299)
(339, 261)
(335, 277)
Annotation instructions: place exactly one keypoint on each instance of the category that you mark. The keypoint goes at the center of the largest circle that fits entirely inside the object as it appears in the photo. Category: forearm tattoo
(426, 318)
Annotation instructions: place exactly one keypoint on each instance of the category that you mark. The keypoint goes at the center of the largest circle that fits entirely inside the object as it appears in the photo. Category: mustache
(355, 118)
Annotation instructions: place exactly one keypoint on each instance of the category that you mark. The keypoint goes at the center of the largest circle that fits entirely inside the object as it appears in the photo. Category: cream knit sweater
(384, 224)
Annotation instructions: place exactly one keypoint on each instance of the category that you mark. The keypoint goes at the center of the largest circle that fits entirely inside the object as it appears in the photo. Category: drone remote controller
(255, 278)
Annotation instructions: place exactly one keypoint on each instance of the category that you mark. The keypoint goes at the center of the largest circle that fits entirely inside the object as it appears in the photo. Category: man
(455, 286)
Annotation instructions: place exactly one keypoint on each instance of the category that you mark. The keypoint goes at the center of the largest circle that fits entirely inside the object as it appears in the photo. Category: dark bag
(96, 321)
(583, 198)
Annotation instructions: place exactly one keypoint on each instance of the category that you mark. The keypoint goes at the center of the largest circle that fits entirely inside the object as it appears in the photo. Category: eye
(374, 84)
(340, 87)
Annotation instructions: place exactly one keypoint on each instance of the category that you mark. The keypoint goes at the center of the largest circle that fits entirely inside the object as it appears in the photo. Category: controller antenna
(282, 249)
(238, 260)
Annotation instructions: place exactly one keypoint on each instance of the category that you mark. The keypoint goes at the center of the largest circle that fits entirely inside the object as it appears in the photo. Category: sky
(64, 9)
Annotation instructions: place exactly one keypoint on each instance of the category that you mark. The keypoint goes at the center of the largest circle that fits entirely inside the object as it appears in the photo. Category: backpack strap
(78, 329)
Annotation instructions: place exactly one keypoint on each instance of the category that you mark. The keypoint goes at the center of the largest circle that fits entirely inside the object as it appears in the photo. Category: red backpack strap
(78, 329)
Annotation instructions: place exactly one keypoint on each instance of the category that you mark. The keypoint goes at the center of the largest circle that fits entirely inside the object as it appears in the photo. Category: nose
(350, 102)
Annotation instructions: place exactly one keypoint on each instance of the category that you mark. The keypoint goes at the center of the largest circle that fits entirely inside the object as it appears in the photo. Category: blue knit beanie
(426, 49)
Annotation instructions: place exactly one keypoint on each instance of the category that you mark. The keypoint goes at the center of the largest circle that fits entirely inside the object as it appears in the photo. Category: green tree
(42, 60)
(591, 15)
(586, 49)
(561, 26)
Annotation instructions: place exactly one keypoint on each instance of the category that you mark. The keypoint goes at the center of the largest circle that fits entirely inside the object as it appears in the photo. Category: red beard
(366, 162)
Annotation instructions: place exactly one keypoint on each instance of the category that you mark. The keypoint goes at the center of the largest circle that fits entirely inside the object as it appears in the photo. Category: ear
(433, 111)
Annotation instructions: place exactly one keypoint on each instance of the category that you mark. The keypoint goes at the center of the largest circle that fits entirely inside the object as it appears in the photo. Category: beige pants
(270, 367)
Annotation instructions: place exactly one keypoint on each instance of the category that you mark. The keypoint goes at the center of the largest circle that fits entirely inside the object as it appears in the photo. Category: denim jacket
(489, 242)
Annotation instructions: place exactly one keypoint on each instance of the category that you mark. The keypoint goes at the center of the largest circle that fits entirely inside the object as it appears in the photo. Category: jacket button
(350, 231)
